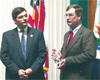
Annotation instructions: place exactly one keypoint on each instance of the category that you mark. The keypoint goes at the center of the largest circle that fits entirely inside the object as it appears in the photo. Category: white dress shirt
(20, 34)
(76, 29)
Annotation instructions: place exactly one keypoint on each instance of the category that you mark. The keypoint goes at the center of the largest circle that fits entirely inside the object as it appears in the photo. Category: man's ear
(14, 21)
(79, 15)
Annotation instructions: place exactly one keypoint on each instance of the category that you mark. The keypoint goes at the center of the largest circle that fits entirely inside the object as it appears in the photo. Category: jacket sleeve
(5, 56)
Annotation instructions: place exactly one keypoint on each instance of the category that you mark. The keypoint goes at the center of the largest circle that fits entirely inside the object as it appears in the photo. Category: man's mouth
(68, 21)
(25, 22)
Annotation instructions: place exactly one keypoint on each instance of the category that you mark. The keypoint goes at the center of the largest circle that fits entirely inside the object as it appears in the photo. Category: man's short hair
(17, 11)
(77, 8)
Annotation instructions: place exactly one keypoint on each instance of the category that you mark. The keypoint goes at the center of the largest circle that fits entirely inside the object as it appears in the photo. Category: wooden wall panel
(91, 13)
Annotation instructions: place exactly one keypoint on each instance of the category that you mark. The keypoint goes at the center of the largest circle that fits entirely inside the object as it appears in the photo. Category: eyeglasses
(69, 15)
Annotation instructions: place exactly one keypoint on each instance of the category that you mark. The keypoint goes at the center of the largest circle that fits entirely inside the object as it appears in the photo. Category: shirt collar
(25, 29)
(77, 28)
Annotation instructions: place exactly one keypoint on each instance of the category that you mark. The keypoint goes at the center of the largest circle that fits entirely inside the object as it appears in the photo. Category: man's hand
(62, 64)
(29, 71)
(22, 74)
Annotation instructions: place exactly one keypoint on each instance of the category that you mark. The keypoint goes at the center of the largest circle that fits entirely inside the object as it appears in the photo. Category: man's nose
(67, 16)
(24, 17)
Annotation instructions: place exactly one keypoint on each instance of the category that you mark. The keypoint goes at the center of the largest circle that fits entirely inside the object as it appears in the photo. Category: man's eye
(66, 15)
(70, 14)
(20, 17)
(25, 15)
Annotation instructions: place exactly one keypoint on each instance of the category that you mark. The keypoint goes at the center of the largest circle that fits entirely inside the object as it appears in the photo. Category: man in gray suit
(79, 47)
(23, 49)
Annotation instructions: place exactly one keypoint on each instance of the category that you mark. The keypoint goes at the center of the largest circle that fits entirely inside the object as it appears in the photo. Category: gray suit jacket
(78, 55)
(12, 58)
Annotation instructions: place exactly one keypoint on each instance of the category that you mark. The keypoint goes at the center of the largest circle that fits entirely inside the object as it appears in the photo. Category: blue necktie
(23, 44)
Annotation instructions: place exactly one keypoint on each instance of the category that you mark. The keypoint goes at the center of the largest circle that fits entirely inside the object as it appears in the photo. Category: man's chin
(69, 24)
(24, 25)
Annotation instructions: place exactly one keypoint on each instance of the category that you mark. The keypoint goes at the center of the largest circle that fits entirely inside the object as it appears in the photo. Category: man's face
(22, 20)
(72, 18)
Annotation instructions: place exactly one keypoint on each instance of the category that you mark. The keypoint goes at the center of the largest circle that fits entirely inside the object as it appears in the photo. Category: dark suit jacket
(12, 58)
(78, 55)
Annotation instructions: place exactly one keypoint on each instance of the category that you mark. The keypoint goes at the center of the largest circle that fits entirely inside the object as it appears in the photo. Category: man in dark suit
(79, 47)
(23, 56)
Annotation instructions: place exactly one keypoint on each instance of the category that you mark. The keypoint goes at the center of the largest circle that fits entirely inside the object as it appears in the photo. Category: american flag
(37, 17)
(37, 20)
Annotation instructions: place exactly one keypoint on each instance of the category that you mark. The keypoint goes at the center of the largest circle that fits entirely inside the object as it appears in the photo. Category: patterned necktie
(70, 38)
(23, 44)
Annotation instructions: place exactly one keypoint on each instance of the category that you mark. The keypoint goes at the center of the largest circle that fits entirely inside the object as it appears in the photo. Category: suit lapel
(65, 42)
(73, 41)
(29, 41)
(17, 42)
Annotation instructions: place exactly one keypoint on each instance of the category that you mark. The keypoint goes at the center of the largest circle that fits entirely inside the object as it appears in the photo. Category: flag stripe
(38, 22)
(31, 21)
